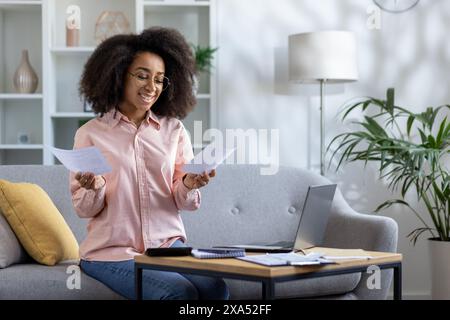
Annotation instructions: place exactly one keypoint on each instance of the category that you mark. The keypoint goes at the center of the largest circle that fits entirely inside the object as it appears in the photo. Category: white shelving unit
(68, 51)
(21, 28)
(22, 146)
(77, 115)
(52, 115)
(20, 96)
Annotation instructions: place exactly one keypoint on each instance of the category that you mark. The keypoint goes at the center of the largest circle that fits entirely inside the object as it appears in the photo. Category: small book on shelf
(217, 253)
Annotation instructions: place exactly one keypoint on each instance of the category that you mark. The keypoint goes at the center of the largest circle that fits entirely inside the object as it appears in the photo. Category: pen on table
(300, 250)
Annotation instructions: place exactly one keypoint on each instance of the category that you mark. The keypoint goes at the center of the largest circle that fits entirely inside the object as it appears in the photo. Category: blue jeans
(156, 285)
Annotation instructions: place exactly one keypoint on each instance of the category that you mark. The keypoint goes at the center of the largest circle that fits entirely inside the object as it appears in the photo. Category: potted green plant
(204, 56)
(412, 151)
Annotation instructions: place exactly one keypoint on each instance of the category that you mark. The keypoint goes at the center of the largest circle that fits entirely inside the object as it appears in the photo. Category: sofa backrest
(55, 181)
(239, 205)
(242, 206)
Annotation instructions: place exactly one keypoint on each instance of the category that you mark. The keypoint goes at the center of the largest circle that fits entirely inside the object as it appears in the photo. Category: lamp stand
(322, 124)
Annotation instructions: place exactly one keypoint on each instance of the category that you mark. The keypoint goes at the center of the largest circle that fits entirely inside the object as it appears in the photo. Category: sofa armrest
(350, 229)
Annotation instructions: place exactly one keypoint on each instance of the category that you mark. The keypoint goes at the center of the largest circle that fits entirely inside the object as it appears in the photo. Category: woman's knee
(210, 288)
(218, 290)
(187, 291)
(168, 286)
(184, 291)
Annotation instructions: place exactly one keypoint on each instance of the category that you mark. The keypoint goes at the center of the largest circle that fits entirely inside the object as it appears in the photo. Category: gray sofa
(239, 205)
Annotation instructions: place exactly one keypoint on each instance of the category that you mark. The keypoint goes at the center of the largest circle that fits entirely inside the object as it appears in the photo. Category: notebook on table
(217, 253)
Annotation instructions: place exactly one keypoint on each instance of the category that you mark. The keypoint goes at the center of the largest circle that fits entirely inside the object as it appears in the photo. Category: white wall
(411, 52)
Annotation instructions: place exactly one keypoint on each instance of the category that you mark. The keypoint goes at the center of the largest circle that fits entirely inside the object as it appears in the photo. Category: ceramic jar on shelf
(25, 78)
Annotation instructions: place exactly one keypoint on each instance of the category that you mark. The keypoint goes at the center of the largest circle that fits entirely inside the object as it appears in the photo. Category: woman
(139, 86)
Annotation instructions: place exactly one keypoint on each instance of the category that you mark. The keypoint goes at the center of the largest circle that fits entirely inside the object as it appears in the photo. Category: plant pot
(440, 271)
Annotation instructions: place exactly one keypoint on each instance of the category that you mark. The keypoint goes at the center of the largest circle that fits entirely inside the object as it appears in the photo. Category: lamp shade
(323, 55)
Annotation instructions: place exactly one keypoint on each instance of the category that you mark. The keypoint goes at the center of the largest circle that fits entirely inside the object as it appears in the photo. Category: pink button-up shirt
(138, 207)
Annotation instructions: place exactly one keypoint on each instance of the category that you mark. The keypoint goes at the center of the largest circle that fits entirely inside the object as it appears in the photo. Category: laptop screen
(315, 215)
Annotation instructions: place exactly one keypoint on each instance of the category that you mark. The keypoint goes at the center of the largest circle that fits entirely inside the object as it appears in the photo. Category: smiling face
(143, 86)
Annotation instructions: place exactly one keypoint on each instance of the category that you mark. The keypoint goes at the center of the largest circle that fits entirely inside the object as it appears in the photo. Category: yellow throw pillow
(37, 223)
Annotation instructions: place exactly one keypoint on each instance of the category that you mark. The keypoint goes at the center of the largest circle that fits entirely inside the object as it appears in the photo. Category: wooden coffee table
(242, 270)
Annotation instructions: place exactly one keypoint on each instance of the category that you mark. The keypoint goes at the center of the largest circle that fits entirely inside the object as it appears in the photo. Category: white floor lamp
(323, 57)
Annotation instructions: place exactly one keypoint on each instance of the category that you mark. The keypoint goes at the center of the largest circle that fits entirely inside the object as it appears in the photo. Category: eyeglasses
(143, 79)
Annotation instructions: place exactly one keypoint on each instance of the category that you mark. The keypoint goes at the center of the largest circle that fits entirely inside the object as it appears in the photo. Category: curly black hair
(103, 78)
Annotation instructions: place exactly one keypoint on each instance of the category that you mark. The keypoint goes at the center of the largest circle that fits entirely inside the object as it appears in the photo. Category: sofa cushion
(39, 282)
(37, 223)
(55, 181)
(11, 251)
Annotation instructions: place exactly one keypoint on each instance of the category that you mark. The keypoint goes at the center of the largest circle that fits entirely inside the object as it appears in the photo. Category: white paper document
(348, 257)
(208, 159)
(345, 254)
(88, 159)
(287, 259)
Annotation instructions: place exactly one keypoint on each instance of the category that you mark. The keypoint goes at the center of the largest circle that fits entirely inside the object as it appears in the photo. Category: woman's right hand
(90, 181)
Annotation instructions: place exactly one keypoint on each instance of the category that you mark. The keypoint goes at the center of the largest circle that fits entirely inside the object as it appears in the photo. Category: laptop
(311, 227)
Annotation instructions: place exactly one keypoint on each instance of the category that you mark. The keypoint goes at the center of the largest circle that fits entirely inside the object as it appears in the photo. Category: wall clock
(396, 6)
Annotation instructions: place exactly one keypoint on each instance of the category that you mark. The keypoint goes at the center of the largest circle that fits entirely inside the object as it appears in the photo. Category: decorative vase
(25, 78)
(72, 37)
(73, 25)
(110, 23)
(440, 271)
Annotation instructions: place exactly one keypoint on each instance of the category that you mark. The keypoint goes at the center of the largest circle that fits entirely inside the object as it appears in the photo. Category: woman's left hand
(196, 181)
